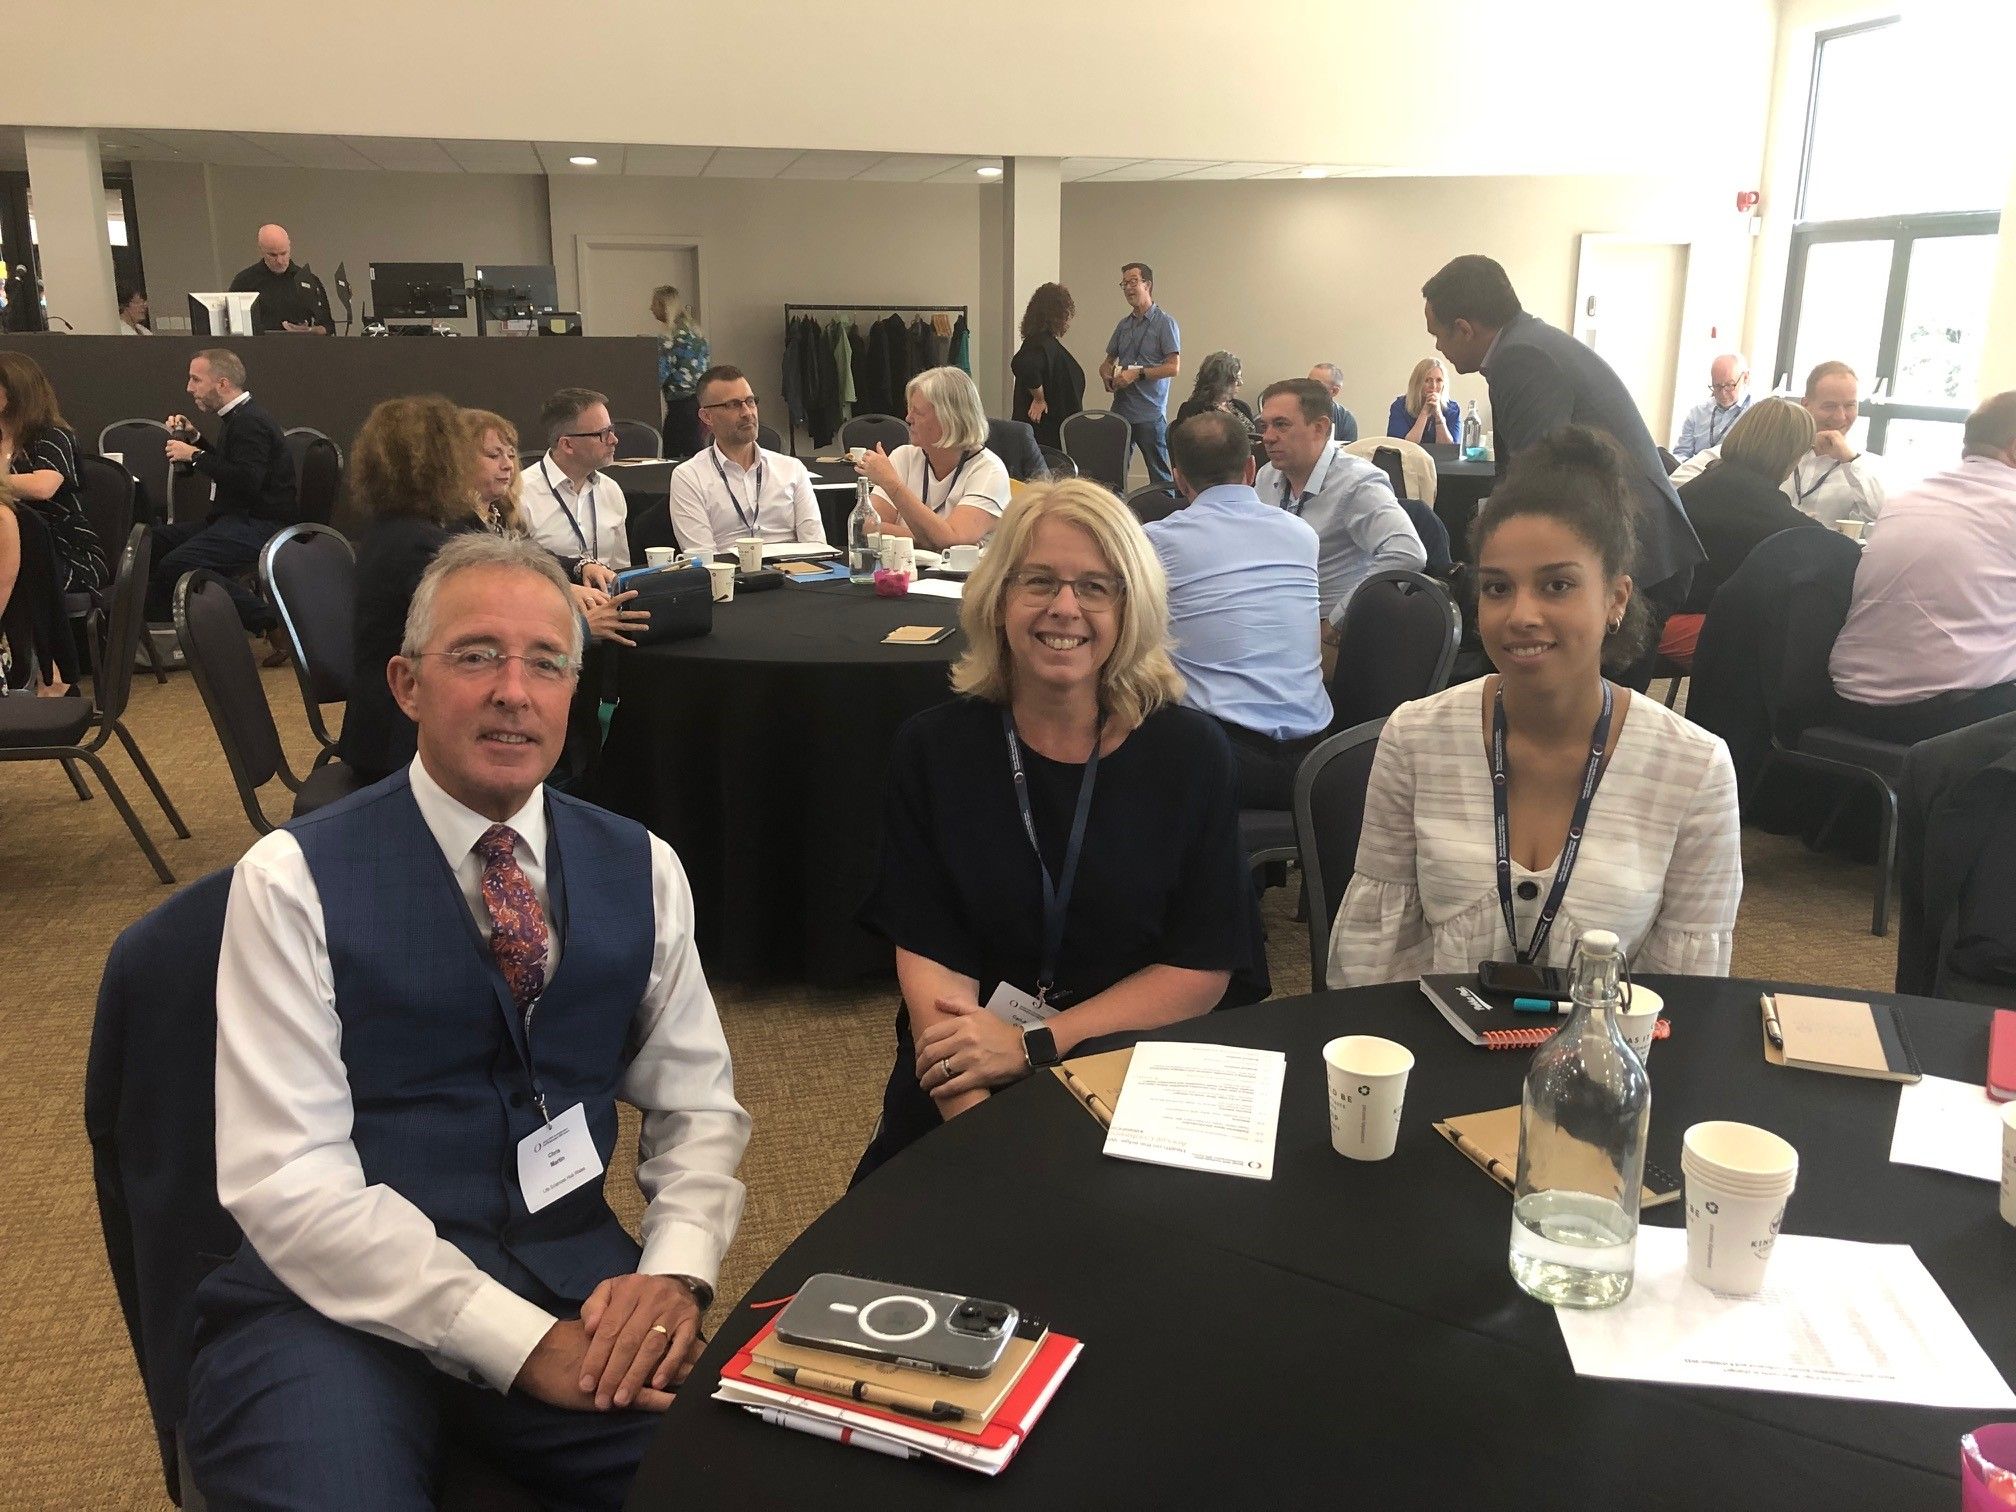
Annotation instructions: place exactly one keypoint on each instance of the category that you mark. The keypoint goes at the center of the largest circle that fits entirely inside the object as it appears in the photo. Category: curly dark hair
(415, 456)
(1577, 476)
(1050, 310)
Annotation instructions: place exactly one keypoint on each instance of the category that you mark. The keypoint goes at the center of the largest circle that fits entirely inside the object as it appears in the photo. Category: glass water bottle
(862, 526)
(1582, 1123)
(1473, 434)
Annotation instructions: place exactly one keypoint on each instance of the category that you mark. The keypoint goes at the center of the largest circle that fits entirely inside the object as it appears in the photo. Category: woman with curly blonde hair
(1065, 833)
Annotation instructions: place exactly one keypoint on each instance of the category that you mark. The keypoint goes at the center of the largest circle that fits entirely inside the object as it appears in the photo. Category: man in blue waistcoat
(429, 999)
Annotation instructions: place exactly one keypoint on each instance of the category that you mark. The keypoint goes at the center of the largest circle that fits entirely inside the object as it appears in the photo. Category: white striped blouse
(1661, 860)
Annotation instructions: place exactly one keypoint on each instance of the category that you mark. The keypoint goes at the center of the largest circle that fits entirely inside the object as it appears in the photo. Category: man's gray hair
(225, 364)
(1333, 375)
(475, 549)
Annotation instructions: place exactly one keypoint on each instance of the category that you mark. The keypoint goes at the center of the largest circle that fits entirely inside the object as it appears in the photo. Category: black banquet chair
(56, 729)
(768, 439)
(871, 431)
(318, 473)
(109, 494)
(1097, 440)
(1058, 464)
(1154, 503)
(636, 439)
(142, 448)
(1329, 812)
(1397, 642)
(220, 659)
(309, 575)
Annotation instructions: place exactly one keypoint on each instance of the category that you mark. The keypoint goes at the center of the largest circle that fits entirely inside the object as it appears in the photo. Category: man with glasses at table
(1144, 353)
(1833, 481)
(571, 507)
(1728, 397)
(734, 488)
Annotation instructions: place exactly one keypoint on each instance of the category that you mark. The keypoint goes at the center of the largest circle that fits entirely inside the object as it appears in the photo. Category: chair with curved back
(220, 659)
(1098, 441)
(636, 439)
(309, 575)
(1154, 503)
(1329, 812)
(318, 473)
(871, 431)
(1397, 642)
(109, 495)
(768, 439)
(1058, 464)
(56, 729)
(142, 449)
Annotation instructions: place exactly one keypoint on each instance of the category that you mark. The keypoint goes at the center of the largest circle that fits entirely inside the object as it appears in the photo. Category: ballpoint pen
(864, 1391)
(1771, 1026)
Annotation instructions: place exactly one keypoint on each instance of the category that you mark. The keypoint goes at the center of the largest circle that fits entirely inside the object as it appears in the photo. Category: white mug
(962, 558)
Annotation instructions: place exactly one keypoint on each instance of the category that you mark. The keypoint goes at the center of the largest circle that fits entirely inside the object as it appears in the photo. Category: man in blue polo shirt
(1242, 608)
(1143, 354)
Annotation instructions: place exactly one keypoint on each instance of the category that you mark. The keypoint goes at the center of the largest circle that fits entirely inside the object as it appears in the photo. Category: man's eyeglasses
(477, 662)
(607, 433)
(1724, 388)
(1131, 283)
(1093, 591)
(733, 404)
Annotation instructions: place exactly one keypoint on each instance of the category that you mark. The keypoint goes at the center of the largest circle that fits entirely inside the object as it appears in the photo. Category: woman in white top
(1658, 858)
(945, 488)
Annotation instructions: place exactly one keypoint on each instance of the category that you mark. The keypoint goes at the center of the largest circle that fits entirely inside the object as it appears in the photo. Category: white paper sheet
(1950, 1126)
(788, 551)
(1200, 1107)
(1836, 1319)
(937, 588)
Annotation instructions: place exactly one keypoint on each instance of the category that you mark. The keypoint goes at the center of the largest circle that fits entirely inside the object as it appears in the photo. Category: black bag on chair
(679, 600)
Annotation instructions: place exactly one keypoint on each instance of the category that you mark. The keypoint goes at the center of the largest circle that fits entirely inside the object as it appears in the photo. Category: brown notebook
(1491, 1141)
(978, 1398)
(1095, 1080)
(1841, 1035)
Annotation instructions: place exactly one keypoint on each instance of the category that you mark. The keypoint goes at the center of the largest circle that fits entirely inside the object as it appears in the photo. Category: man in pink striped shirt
(1930, 641)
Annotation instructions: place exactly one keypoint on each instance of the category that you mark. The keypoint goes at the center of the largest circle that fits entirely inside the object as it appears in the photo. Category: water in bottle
(1473, 434)
(863, 525)
(1582, 1123)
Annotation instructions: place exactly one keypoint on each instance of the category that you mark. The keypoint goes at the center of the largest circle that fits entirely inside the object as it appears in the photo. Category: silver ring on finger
(945, 1065)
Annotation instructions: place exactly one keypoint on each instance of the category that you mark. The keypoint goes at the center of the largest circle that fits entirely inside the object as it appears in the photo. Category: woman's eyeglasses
(1093, 591)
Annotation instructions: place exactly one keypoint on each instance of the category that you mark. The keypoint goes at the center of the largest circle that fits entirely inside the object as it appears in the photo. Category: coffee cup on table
(660, 556)
(1737, 1179)
(749, 553)
(1367, 1079)
(962, 558)
(1637, 1019)
(721, 579)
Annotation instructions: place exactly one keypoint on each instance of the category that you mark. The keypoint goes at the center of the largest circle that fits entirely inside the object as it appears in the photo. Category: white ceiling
(266, 149)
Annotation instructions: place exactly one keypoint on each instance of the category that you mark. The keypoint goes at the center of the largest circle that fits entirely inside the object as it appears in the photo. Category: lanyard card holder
(679, 600)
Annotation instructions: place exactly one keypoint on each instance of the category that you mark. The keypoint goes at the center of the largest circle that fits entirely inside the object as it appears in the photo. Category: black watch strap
(1039, 1045)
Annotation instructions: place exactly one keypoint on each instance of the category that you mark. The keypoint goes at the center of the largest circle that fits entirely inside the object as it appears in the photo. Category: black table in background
(758, 752)
(1460, 490)
(1352, 1328)
(647, 491)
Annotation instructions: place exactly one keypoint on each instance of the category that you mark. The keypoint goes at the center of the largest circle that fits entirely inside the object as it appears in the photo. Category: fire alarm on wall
(1747, 199)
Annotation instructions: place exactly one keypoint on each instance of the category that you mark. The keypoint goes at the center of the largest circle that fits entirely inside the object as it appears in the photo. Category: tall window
(1893, 255)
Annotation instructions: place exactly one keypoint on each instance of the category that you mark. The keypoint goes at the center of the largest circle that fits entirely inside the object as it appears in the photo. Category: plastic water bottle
(1473, 434)
(1582, 1123)
(863, 525)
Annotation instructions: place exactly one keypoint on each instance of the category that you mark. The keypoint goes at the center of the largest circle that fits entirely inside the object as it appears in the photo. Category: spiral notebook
(1489, 1019)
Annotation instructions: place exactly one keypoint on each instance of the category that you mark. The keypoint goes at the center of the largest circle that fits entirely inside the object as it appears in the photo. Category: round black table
(758, 753)
(1348, 1334)
(1461, 487)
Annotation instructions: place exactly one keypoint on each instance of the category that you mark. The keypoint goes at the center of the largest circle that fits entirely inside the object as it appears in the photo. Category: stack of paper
(1950, 1126)
(1201, 1107)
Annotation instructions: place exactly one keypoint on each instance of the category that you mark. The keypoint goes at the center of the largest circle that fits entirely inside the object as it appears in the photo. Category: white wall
(1290, 274)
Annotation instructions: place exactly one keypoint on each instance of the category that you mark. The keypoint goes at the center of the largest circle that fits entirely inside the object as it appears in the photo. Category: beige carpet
(809, 1066)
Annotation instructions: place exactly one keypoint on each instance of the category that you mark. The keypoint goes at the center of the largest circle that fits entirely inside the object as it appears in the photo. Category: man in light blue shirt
(1144, 353)
(1346, 500)
(1728, 396)
(1242, 608)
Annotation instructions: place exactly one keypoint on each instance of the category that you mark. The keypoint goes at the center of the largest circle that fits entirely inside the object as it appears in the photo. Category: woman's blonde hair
(962, 423)
(1417, 382)
(1770, 437)
(414, 456)
(481, 422)
(1138, 677)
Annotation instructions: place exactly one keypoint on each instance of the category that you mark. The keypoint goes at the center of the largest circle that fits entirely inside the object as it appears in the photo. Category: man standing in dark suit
(253, 477)
(1541, 378)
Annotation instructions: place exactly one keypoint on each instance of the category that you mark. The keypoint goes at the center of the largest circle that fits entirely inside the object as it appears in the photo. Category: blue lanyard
(1544, 925)
(747, 517)
(594, 536)
(1056, 895)
(1712, 413)
(951, 483)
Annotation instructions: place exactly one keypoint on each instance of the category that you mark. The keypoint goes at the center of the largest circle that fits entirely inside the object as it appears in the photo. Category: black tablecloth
(1353, 1327)
(647, 492)
(1460, 490)
(758, 753)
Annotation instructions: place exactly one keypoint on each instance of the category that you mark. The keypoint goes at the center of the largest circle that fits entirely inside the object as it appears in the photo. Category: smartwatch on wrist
(1039, 1047)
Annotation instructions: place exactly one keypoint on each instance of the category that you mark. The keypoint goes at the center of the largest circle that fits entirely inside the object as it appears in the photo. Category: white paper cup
(660, 556)
(856, 453)
(1637, 1023)
(1850, 528)
(721, 578)
(119, 457)
(963, 558)
(749, 553)
(1368, 1083)
(1738, 1179)
(2009, 1164)
(899, 554)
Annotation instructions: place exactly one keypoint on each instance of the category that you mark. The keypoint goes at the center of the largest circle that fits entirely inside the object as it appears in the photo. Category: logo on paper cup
(1714, 1207)
(1364, 1091)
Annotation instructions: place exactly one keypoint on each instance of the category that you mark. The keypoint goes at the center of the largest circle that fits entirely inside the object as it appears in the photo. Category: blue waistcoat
(439, 1060)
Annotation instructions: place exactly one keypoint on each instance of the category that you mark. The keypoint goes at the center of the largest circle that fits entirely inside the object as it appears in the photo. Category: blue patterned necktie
(517, 922)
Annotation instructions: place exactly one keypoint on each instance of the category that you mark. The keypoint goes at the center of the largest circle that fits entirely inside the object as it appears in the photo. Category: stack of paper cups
(1368, 1082)
(2009, 1164)
(1738, 1178)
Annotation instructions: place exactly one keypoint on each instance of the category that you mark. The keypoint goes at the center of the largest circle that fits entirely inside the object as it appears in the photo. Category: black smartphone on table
(1523, 980)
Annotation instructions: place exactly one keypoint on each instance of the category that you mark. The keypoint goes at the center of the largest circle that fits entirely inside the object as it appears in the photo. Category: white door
(618, 274)
(1629, 302)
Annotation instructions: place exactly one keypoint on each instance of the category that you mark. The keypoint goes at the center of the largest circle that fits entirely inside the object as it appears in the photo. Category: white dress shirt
(1362, 529)
(363, 1255)
(716, 501)
(1661, 860)
(980, 481)
(1822, 487)
(575, 522)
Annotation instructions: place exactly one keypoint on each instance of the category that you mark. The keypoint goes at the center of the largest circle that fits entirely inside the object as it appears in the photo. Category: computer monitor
(419, 291)
(514, 291)
(226, 314)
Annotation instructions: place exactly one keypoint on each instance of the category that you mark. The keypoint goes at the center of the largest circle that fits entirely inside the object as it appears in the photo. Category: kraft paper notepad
(1840, 1035)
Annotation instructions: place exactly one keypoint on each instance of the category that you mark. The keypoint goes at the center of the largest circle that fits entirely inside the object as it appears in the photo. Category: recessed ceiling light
(1315, 173)
(584, 162)
(988, 172)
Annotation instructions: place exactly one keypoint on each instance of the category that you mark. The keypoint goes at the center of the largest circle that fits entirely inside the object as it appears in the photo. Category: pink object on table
(891, 584)
(1988, 1468)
